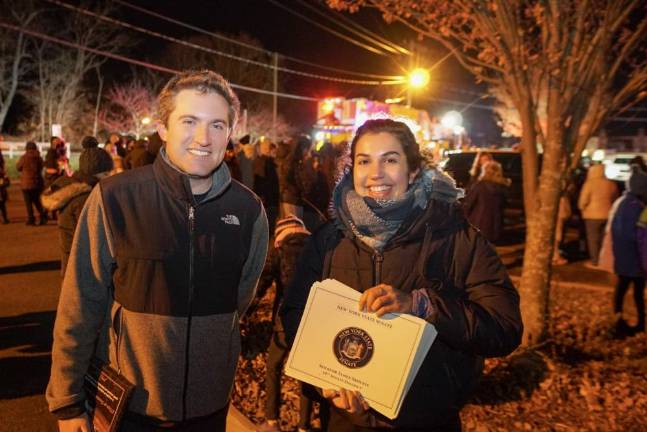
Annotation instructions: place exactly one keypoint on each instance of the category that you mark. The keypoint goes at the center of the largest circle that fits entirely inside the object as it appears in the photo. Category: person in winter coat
(164, 262)
(596, 198)
(53, 169)
(138, 156)
(486, 200)
(624, 249)
(266, 180)
(399, 237)
(67, 195)
(30, 166)
(289, 237)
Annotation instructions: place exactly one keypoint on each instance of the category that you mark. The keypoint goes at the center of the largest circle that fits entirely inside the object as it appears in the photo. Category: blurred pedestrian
(232, 161)
(117, 161)
(596, 198)
(52, 167)
(266, 180)
(30, 166)
(481, 158)
(67, 195)
(624, 251)
(486, 201)
(290, 236)
(155, 143)
(138, 156)
(4, 185)
(246, 155)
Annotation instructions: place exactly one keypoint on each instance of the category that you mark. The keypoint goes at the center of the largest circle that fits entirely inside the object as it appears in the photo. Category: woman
(399, 237)
(486, 199)
(595, 201)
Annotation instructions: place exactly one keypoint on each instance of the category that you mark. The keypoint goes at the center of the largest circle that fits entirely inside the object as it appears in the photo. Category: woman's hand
(349, 400)
(383, 299)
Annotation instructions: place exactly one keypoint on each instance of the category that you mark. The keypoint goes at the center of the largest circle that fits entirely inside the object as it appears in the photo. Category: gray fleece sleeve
(254, 263)
(83, 304)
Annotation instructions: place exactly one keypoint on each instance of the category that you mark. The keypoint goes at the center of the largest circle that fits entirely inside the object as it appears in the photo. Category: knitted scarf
(375, 222)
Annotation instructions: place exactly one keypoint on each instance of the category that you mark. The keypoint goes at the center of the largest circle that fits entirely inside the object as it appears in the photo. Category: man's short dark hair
(204, 81)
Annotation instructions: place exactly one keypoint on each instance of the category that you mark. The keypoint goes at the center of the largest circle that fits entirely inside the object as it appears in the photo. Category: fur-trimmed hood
(57, 198)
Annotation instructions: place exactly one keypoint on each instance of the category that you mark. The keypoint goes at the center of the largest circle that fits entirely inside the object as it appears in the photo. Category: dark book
(107, 396)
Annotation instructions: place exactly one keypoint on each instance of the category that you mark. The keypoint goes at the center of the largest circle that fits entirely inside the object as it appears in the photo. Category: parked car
(616, 165)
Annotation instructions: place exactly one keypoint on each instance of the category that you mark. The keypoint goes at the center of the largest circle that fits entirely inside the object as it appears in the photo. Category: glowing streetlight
(419, 78)
(452, 120)
(146, 121)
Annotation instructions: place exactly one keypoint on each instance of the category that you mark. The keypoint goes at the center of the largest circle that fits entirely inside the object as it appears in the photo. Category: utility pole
(275, 96)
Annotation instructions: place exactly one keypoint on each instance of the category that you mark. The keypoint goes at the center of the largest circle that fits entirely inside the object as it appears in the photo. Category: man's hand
(383, 299)
(76, 424)
(349, 400)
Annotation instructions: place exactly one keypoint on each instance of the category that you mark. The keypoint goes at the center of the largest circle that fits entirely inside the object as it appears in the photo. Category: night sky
(278, 30)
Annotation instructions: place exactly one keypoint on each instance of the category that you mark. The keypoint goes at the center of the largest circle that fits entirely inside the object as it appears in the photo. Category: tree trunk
(540, 235)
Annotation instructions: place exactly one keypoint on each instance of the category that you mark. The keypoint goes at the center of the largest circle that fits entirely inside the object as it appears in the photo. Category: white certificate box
(338, 346)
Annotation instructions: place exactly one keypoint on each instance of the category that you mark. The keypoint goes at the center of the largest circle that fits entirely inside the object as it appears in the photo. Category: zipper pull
(191, 217)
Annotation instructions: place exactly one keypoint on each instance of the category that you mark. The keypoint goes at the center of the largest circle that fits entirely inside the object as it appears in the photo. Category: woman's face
(380, 169)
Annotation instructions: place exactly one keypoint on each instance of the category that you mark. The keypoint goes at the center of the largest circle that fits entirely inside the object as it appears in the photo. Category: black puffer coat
(475, 306)
(484, 206)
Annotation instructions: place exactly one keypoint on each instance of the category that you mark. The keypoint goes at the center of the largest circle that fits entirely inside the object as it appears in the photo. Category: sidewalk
(574, 274)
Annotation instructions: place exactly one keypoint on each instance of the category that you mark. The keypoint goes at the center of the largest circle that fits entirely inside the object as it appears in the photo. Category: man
(165, 260)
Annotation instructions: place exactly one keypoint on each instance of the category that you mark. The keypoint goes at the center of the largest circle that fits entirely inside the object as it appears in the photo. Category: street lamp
(146, 121)
(418, 78)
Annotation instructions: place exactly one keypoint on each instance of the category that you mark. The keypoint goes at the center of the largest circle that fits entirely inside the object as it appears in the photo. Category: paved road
(29, 288)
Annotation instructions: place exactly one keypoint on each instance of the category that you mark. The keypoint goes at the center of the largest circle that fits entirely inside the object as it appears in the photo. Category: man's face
(197, 132)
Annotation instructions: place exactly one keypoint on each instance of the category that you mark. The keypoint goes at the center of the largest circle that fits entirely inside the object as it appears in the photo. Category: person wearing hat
(67, 195)
(290, 236)
(624, 249)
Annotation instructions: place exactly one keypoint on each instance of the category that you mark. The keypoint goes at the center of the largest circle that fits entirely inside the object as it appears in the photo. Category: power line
(252, 47)
(364, 36)
(217, 52)
(401, 49)
(329, 30)
(141, 63)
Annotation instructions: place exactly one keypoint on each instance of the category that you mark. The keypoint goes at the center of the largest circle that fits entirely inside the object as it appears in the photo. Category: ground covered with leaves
(582, 378)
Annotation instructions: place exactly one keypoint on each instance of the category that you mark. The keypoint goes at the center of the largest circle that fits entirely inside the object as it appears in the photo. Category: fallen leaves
(582, 378)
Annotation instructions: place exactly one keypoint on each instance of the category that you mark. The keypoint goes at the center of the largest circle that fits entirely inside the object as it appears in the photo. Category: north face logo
(230, 220)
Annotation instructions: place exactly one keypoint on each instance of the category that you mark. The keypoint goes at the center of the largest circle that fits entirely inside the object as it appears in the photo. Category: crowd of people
(165, 243)
(613, 225)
